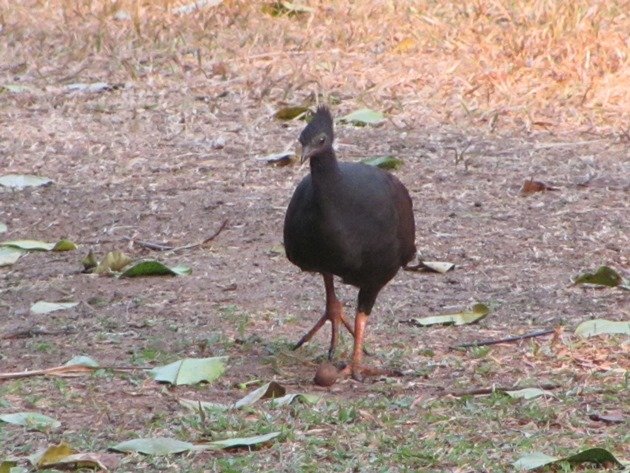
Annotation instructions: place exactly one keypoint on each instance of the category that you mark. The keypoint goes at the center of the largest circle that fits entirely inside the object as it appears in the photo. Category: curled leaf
(114, 261)
(604, 276)
(154, 268)
(478, 312)
(384, 162)
(291, 113)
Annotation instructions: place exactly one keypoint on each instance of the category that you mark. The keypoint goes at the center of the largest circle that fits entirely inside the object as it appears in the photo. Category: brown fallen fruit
(326, 375)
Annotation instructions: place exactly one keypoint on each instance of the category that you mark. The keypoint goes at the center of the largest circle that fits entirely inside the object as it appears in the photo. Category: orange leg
(334, 313)
(355, 368)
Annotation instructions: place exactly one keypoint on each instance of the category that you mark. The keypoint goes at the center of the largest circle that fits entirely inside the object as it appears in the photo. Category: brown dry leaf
(531, 187)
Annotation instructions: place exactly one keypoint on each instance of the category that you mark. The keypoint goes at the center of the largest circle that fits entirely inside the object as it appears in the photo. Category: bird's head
(318, 135)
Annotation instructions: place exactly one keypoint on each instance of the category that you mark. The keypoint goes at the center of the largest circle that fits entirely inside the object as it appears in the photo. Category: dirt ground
(170, 162)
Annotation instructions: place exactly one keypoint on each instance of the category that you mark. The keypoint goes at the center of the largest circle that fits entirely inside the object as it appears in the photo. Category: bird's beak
(305, 154)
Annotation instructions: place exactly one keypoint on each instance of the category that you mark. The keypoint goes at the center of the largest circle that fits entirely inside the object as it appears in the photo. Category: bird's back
(358, 226)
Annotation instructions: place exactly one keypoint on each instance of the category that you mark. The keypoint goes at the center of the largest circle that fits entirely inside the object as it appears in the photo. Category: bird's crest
(322, 122)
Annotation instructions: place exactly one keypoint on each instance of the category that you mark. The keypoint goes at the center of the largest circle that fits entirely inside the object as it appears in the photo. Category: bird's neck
(324, 165)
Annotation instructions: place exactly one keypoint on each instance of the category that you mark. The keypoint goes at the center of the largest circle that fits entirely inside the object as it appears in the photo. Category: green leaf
(51, 455)
(528, 393)
(113, 262)
(290, 113)
(31, 420)
(531, 461)
(285, 8)
(3, 227)
(7, 465)
(478, 312)
(244, 441)
(29, 245)
(42, 307)
(598, 456)
(154, 268)
(296, 397)
(9, 255)
(82, 361)
(604, 276)
(384, 162)
(594, 327)
(154, 446)
(64, 245)
(194, 405)
(20, 181)
(364, 116)
(14, 88)
(271, 389)
(190, 370)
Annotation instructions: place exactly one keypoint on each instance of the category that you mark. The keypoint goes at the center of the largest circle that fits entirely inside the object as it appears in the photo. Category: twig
(149, 245)
(504, 340)
(68, 371)
(34, 331)
(473, 392)
(207, 240)
(163, 247)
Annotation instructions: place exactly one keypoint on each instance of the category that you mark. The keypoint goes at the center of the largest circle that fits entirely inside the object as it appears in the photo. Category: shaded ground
(160, 162)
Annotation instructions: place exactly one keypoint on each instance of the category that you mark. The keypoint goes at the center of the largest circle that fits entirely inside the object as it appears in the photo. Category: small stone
(326, 375)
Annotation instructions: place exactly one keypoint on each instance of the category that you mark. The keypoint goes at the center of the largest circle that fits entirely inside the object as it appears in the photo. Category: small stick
(163, 247)
(34, 331)
(504, 340)
(149, 245)
(473, 392)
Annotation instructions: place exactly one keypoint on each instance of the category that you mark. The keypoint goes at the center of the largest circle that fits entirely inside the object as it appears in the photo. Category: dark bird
(349, 220)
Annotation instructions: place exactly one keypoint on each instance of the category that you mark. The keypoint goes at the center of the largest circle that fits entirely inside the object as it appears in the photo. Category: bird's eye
(322, 140)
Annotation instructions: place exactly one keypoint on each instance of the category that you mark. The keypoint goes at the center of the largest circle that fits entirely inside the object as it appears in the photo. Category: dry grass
(495, 63)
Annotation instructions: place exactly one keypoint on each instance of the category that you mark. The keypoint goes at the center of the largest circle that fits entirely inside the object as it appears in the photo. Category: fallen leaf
(93, 88)
(604, 276)
(31, 420)
(20, 181)
(384, 162)
(64, 245)
(285, 8)
(291, 113)
(244, 441)
(154, 446)
(113, 262)
(612, 417)
(42, 307)
(195, 405)
(531, 187)
(594, 327)
(196, 6)
(3, 227)
(598, 456)
(272, 389)
(279, 159)
(441, 267)
(82, 361)
(154, 268)
(295, 397)
(528, 393)
(364, 116)
(478, 312)
(190, 370)
(9, 255)
(29, 245)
